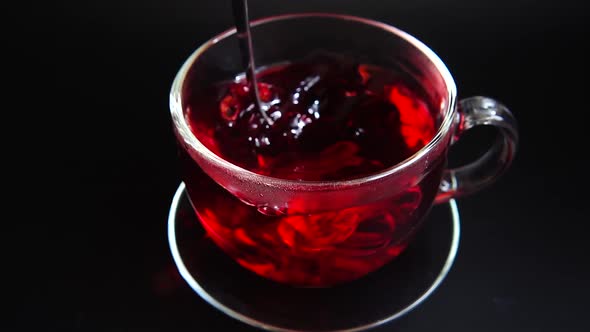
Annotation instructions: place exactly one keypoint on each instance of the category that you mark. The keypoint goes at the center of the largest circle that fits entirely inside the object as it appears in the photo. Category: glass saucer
(373, 300)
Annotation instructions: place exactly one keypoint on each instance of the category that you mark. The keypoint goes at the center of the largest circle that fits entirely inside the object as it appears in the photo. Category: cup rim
(182, 127)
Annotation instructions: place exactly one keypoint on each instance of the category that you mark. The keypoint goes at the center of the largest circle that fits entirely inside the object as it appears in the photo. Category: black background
(100, 169)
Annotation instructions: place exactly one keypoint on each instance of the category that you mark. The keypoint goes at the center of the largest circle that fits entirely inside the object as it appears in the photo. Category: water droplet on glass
(271, 211)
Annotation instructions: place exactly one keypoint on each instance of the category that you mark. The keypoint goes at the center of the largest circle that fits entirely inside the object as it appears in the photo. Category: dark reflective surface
(87, 249)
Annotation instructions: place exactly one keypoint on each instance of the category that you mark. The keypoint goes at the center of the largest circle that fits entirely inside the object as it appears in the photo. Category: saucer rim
(187, 276)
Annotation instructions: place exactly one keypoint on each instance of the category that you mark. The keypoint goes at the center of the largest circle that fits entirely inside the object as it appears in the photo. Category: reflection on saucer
(380, 297)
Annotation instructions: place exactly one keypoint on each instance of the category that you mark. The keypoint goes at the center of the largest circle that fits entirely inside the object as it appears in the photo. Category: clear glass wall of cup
(345, 229)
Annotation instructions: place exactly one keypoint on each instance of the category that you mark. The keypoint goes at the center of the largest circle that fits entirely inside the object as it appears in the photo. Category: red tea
(327, 117)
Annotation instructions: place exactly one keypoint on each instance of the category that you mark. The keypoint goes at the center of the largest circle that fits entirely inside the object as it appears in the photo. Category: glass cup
(322, 233)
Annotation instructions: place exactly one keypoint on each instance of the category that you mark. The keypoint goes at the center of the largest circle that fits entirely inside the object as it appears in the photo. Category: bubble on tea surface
(271, 211)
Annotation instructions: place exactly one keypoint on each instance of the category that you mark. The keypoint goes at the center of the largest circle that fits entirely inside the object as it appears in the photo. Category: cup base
(378, 298)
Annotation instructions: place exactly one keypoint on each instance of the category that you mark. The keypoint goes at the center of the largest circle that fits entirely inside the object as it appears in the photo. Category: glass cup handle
(465, 180)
